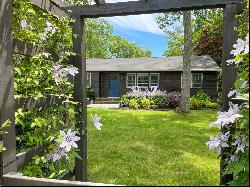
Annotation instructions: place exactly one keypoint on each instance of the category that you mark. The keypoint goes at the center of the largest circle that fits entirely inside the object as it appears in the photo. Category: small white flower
(231, 93)
(72, 70)
(96, 121)
(23, 24)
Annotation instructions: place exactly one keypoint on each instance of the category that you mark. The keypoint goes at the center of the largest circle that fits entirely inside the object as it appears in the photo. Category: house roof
(157, 64)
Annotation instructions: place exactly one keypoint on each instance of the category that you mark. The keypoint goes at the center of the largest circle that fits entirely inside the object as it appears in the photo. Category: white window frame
(133, 74)
(143, 74)
(192, 86)
(150, 83)
(89, 77)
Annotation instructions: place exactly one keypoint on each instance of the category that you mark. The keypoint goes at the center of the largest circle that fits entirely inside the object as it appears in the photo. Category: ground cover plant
(138, 147)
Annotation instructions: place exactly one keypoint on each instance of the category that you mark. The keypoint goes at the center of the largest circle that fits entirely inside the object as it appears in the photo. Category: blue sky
(141, 29)
(155, 42)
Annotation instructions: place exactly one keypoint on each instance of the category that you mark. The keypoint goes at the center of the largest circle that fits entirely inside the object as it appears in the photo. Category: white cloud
(144, 22)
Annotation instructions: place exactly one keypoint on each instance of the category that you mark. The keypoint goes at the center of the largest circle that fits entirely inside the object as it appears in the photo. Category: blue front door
(114, 85)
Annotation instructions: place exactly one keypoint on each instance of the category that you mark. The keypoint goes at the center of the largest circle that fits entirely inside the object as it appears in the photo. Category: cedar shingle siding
(169, 68)
(170, 81)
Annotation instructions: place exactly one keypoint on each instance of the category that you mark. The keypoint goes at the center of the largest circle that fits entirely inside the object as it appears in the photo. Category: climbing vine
(234, 123)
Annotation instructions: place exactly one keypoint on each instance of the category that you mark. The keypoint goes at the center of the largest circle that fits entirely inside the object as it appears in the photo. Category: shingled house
(115, 77)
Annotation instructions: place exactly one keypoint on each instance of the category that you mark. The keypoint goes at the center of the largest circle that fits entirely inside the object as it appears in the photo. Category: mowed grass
(152, 148)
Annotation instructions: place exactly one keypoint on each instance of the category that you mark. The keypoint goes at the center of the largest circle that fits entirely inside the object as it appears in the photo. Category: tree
(122, 48)
(186, 77)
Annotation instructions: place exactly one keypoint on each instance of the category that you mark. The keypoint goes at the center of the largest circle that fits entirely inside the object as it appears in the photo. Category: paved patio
(113, 106)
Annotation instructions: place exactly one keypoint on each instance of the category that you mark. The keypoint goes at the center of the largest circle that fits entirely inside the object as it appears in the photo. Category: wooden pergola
(9, 160)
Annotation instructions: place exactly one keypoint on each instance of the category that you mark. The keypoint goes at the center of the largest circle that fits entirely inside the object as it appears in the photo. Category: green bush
(125, 99)
(159, 101)
(90, 93)
(133, 104)
(201, 95)
(145, 103)
(201, 104)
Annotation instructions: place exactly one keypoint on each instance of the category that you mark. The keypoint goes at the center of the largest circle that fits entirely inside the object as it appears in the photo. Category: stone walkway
(113, 106)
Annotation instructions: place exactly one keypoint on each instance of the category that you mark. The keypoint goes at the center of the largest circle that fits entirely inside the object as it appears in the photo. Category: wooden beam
(229, 73)
(7, 105)
(80, 96)
(142, 7)
(27, 49)
(31, 102)
(26, 157)
(15, 179)
(100, 2)
(51, 6)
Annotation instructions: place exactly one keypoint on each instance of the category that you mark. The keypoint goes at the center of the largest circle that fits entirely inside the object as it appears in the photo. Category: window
(197, 80)
(131, 80)
(88, 80)
(154, 79)
(143, 80)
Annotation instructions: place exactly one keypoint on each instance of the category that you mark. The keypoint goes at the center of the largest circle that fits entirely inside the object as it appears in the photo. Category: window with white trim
(154, 79)
(88, 80)
(131, 80)
(197, 80)
(143, 80)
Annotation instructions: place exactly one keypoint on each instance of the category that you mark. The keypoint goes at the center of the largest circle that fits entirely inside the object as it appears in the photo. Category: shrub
(134, 104)
(125, 99)
(159, 101)
(90, 93)
(174, 99)
(200, 104)
(145, 103)
(201, 95)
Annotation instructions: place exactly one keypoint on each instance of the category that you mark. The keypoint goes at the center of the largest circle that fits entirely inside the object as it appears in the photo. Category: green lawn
(152, 148)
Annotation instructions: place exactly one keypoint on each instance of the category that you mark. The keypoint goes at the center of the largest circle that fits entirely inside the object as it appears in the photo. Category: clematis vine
(218, 142)
(60, 73)
(225, 118)
(240, 48)
(65, 143)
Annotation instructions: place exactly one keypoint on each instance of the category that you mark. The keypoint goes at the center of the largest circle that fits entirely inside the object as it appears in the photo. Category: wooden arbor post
(229, 72)
(7, 105)
(80, 96)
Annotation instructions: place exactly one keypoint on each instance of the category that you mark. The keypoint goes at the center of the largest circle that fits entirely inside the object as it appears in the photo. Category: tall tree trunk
(186, 76)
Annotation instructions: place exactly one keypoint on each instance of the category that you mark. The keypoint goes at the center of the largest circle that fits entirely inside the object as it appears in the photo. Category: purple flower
(241, 143)
(96, 121)
(60, 152)
(218, 142)
(23, 24)
(69, 140)
(225, 118)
